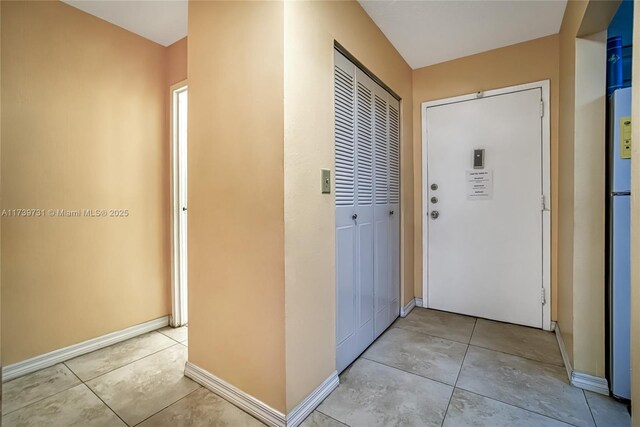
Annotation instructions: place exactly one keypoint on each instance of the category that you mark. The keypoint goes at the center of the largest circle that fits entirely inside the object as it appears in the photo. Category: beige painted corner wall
(176, 64)
(589, 207)
(310, 31)
(509, 66)
(635, 227)
(571, 22)
(236, 195)
(82, 127)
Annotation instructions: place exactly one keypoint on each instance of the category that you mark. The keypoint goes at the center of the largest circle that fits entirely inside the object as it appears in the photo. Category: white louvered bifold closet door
(365, 172)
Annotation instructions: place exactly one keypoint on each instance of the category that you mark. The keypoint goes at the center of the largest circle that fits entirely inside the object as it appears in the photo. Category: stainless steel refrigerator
(619, 223)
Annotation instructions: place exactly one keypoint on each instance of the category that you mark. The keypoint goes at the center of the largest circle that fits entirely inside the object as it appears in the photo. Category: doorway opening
(179, 314)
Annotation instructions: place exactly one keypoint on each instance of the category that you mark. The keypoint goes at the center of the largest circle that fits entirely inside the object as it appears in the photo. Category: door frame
(179, 295)
(546, 186)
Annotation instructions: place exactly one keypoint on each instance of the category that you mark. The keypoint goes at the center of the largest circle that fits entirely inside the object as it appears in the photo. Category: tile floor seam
(523, 357)
(126, 364)
(430, 335)
(518, 355)
(515, 406)
(173, 403)
(40, 400)
(446, 412)
(589, 406)
(406, 372)
(171, 338)
(329, 416)
(96, 395)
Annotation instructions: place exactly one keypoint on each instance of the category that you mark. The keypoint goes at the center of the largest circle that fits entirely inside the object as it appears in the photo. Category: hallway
(429, 369)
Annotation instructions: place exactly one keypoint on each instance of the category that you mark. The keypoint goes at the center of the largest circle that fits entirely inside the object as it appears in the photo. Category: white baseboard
(234, 395)
(265, 413)
(590, 382)
(404, 311)
(419, 302)
(580, 379)
(311, 402)
(563, 352)
(36, 363)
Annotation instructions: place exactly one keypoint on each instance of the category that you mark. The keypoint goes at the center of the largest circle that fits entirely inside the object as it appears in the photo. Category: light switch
(326, 181)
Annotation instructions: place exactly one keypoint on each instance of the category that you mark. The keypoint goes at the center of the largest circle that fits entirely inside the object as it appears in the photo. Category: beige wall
(509, 66)
(236, 195)
(570, 25)
(176, 62)
(589, 216)
(82, 127)
(310, 31)
(635, 227)
(582, 179)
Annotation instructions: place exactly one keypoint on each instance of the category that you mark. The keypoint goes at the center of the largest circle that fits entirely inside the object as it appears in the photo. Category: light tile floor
(434, 368)
(429, 369)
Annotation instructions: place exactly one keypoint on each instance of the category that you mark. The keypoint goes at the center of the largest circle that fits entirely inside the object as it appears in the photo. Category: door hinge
(541, 108)
(543, 297)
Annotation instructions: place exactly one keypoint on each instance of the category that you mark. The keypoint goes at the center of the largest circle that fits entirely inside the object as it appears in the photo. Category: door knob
(435, 214)
(184, 209)
(354, 217)
(390, 212)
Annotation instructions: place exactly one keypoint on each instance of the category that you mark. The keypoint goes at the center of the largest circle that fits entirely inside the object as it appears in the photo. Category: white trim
(404, 311)
(580, 379)
(263, 412)
(546, 187)
(260, 410)
(590, 382)
(563, 352)
(178, 273)
(36, 363)
(311, 402)
(419, 302)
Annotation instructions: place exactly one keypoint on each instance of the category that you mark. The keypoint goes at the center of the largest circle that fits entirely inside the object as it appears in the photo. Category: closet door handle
(354, 217)
(390, 212)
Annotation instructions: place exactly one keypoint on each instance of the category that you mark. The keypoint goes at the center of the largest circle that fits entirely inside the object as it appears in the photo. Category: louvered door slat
(394, 155)
(364, 146)
(380, 152)
(344, 135)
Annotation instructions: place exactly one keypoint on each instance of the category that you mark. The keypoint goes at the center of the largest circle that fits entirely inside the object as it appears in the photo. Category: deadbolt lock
(435, 214)
(434, 200)
(434, 187)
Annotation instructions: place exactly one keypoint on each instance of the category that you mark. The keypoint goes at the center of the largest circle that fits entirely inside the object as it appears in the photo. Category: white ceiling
(428, 32)
(162, 21)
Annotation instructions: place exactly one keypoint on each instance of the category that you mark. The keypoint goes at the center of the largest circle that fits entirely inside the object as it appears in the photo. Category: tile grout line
(518, 355)
(126, 364)
(514, 406)
(172, 403)
(429, 335)
(82, 382)
(96, 395)
(446, 412)
(406, 372)
(334, 419)
(40, 400)
(171, 338)
(589, 406)
(478, 346)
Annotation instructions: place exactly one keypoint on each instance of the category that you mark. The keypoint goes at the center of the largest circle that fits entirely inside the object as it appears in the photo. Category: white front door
(484, 209)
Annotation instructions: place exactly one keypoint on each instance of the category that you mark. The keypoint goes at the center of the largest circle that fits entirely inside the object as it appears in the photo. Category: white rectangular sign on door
(479, 184)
